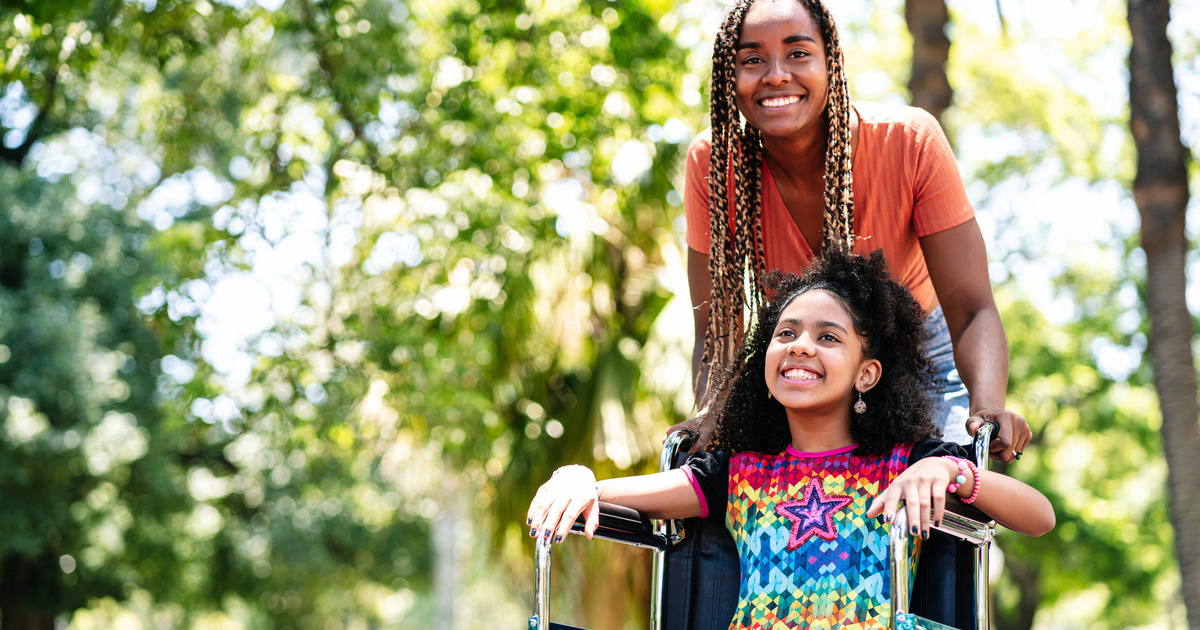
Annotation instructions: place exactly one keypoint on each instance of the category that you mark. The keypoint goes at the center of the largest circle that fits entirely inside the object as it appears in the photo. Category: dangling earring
(860, 407)
(769, 396)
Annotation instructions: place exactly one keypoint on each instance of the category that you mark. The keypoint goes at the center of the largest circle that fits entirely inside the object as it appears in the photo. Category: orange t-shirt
(906, 185)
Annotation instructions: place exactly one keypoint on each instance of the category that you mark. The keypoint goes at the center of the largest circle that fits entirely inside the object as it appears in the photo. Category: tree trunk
(1161, 193)
(444, 534)
(23, 580)
(929, 85)
(1029, 589)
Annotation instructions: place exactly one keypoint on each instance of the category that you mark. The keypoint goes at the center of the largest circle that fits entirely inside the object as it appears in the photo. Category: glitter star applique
(812, 514)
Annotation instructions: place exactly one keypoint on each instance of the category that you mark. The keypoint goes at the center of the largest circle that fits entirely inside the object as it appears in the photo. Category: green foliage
(484, 185)
(1096, 454)
(88, 459)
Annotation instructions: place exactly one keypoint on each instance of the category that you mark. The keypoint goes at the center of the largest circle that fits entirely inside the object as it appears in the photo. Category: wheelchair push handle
(961, 521)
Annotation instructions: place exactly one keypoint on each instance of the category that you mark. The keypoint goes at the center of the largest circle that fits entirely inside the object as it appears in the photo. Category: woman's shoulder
(911, 121)
(701, 145)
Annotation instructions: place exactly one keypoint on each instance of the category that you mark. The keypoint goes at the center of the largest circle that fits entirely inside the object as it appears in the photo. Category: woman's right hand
(571, 491)
(702, 430)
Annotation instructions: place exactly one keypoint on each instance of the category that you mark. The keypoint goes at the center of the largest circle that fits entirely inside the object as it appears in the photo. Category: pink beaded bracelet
(963, 465)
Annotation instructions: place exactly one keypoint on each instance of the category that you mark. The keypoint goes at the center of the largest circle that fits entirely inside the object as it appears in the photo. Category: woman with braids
(822, 424)
(808, 173)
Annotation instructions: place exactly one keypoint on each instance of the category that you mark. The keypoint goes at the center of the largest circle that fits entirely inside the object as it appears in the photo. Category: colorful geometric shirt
(810, 558)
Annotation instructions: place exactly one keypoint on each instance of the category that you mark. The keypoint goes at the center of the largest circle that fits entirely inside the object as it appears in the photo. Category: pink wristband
(978, 483)
(963, 466)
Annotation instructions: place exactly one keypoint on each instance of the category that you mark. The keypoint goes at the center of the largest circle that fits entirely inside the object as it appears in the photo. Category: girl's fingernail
(887, 518)
(529, 521)
(937, 523)
(925, 534)
(558, 538)
(546, 533)
(913, 530)
(532, 532)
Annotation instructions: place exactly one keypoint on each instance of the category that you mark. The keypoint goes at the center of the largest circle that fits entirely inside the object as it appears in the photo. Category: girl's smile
(815, 361)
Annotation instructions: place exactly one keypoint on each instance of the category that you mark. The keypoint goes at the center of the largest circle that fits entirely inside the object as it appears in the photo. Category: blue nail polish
(546, 533)
(558, 539)
(913, 530)
(529, 521)
(532, 532)
(887, 518)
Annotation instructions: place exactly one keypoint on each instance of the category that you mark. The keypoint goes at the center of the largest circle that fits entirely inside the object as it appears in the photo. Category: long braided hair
(737, 263)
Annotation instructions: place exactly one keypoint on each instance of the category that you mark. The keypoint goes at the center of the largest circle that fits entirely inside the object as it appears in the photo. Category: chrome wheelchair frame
(630, 527)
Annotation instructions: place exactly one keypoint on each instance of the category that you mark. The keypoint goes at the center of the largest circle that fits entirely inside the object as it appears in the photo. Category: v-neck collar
(769, 189)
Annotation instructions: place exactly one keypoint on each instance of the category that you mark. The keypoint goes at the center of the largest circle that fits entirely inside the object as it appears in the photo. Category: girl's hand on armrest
(922, 487)
(571, 491)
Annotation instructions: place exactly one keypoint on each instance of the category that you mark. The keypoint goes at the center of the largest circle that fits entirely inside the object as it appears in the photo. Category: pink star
(812, 514)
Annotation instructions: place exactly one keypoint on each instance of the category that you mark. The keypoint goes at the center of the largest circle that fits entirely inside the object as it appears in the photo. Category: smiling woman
(809, 172)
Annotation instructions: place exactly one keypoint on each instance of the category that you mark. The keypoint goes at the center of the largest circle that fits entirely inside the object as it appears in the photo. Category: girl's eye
(828, 337)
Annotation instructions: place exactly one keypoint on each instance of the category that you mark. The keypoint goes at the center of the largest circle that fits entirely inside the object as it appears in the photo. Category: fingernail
(529, 521)
(546, 533)
(925, 534)
(913, 530)
(937, 523)
(558, 538)
(887, 518)
(532, 532)
(1018, 454)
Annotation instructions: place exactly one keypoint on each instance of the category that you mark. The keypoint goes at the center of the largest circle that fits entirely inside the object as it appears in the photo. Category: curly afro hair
(890, 323)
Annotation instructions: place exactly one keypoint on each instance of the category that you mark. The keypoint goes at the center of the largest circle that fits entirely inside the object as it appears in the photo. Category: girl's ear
(868, 375)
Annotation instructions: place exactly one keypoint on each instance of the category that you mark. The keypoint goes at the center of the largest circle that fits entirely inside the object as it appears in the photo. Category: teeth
(801, 374)
(780, 102)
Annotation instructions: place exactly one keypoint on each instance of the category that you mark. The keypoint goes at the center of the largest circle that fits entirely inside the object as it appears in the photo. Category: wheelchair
(696, 573)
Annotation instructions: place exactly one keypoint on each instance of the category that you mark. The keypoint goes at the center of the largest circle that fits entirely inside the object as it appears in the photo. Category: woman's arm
(573, 490)
(957, 261)
(923, 488)
(700, 288)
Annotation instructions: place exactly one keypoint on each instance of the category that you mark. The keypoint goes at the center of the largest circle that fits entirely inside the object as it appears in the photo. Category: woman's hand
(570, 492)
(702, 430)
(922, 487)
(1012, 435)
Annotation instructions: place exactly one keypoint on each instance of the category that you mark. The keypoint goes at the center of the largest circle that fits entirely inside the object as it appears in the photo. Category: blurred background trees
(300, 301)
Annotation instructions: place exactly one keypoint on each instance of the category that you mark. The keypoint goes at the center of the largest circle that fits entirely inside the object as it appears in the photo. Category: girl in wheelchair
(823, 428)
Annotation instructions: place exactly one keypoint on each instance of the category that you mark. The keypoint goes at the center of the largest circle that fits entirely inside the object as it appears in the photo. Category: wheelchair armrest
(956, 506)
(628, 526)
(624, 525)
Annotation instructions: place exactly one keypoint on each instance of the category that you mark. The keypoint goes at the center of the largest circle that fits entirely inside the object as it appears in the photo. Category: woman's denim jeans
(951, 403)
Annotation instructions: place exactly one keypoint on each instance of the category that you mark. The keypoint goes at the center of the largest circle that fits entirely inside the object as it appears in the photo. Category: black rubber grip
(624, 525)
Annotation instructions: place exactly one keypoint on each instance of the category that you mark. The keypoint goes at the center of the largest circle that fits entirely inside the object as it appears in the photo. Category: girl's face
(782, 83)
(815, 361)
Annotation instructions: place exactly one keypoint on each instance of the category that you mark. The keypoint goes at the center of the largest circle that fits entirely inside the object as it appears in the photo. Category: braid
(737, 261)
(725, 266)
(838, 231)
